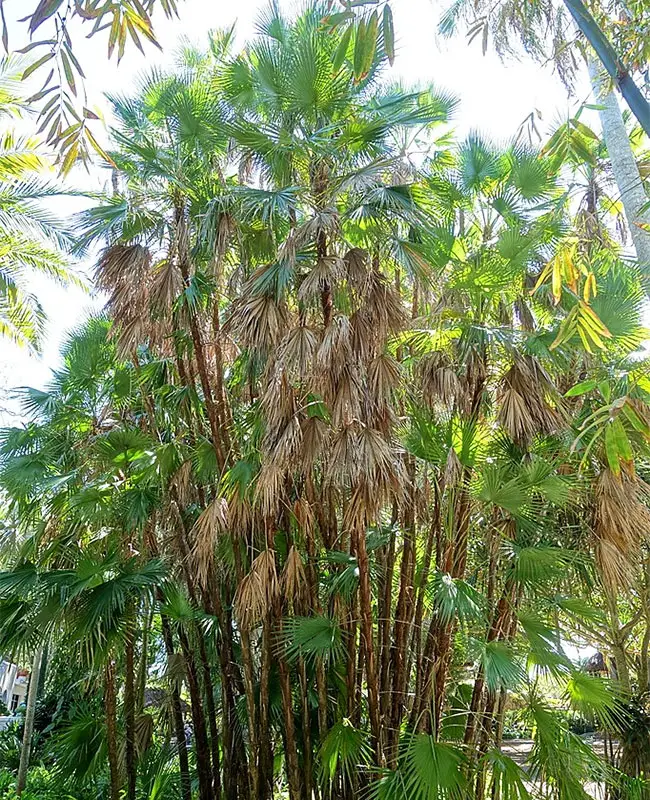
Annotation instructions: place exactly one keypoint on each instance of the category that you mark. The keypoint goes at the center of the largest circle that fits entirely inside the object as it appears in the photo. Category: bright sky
(494, 98)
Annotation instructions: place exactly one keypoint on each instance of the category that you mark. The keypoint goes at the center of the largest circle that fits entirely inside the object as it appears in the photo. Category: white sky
(494, 98)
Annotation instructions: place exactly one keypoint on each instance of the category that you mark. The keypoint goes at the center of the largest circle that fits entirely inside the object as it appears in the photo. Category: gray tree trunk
(624, 166)
(29, 720)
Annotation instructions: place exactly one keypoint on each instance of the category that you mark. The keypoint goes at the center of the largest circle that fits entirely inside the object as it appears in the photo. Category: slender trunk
(625, 168)
(365, 603)
(208, 690)
(29, 720)
(403, 617)
(110, 704)
(179, 726)
(249, 685)
(291, 752)
(198, 719)
(266, 750)
(129, 711)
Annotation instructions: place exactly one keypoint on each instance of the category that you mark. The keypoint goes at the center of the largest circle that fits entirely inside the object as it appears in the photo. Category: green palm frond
(312, 638)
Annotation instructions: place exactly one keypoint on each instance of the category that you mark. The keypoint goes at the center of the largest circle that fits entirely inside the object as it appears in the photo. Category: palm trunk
(179, 727)
(625, 168)
(129, 712)
(110, 703)
(29, 720)
(203, 767)
(365, 603)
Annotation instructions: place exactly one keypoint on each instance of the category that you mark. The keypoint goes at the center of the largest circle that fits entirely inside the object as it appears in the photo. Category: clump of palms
(339, 470)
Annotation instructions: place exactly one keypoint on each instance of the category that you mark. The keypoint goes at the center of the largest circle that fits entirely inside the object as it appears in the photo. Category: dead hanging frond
(380, 464)
(181, 485)
(123, 272)
(621, 524)
(345, 403)
(384, 376)
(210, 524)
(296, 352)
(278, 405)
(269, 489)
(438, 380)
(294, 581)
(325, 220)
(166, 286)
(529, 404)
(327, 272)
(122, 268)
(304, 516)
(335, 349)
(452, 472)
(384, 305)
(314, 434)
(357, 269)
(258, 591)
(259, 321)
(343, 462)
(287, 445)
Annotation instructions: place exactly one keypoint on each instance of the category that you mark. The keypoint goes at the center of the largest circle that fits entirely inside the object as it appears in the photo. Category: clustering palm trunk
(329, 413)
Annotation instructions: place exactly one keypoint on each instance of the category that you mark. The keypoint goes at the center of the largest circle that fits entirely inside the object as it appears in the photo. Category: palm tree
(374, 398)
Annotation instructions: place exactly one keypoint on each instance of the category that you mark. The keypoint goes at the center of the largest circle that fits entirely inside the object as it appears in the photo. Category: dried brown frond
(529, 403)
(384, 376)
(294, 581)
(279, 401)
(345, 407)
(166, 286)
(380, 465)
(258, 591)
(335, 349)
(180, 483)
(240, 513)
(211, 522)
(439, 381)
(304, 515)
(357, 265)
(226, 228)
(326, 219)
(453, 470)
(269, 489)
(621, 524)
(129, 334)
(297, 350)
(122, 265)
(287, 445)
(385, 306)
(314, 433)
(343, 461)
(260, 321)
(327, 272)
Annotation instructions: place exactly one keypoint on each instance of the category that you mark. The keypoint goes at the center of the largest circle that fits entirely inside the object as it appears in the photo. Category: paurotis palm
(332, 403)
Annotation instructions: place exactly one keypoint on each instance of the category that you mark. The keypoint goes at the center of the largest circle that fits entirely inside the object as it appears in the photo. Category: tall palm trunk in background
(29, 720)
(110, 704)
(624, 166)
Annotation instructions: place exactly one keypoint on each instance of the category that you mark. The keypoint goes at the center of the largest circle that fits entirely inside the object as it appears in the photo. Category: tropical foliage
(32, 239)
(355, 452)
